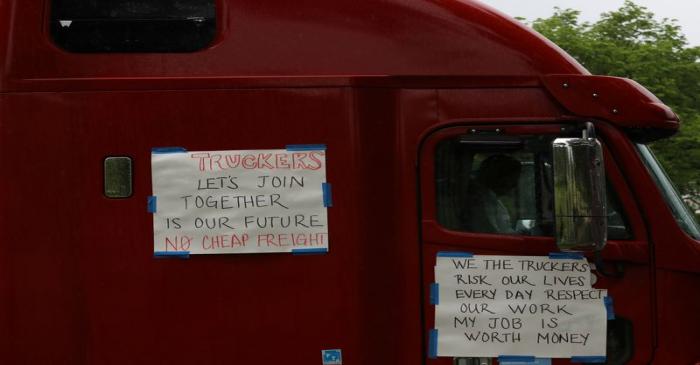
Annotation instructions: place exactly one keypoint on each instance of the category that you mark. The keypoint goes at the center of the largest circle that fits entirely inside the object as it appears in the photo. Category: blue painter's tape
(516, 359)
(538, 361)
(309, 251)
(306, 147)
(332, 357)
(152, 207)
(588, 359)
(565, 256)
(609, 307)
(435, 293)
(433, 344)
(327, 195)
(164, 150)
(454, 254)
(175, 254)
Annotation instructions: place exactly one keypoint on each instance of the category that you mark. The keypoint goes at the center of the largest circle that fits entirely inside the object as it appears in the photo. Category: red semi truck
(409, 96)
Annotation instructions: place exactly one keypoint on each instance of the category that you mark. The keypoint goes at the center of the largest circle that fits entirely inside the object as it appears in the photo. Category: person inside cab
(485, 210)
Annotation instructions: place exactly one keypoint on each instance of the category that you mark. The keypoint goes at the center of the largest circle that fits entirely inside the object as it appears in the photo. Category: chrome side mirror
(579, 193)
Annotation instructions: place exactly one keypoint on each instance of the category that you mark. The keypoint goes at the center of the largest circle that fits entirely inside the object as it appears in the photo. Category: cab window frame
(433, 231)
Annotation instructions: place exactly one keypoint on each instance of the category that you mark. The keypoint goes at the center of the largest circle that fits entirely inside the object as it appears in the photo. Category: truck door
(488, 190)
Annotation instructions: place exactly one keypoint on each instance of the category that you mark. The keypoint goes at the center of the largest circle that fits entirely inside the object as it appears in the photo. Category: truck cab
(410, 98)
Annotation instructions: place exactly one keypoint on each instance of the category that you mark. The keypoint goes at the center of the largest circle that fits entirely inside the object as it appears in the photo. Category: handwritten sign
(256, 201)
(490, 306)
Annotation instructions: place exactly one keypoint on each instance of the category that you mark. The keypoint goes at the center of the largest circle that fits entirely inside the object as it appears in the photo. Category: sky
(687, 12)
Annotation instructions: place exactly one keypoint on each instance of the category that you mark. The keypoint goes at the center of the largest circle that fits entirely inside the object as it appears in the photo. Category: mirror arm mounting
(589, 131)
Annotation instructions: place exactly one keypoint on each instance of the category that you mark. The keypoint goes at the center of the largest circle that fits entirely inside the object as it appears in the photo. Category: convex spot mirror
(579, 193)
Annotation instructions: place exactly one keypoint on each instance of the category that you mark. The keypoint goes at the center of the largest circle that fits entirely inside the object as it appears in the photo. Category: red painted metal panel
(303, 38)
(633, 292)
(678, 317)
(621, 101)
(371, 80)
(673, 248)
(675, 256)
(82, 285)
(386, 189)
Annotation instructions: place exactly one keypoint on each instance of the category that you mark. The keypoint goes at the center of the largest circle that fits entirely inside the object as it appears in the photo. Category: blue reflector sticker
(332, 357)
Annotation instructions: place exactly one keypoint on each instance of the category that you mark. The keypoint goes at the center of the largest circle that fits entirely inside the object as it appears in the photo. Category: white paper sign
(255, 201)
(491, 306)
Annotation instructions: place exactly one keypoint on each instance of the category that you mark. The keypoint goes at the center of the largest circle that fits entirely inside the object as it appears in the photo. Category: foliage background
(630, 42)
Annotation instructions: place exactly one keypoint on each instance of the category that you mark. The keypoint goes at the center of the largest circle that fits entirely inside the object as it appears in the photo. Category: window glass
(133, 25)
(681, 212)
(504, 189)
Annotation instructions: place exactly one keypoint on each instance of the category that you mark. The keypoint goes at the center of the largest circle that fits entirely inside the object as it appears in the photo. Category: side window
(503, 189)
(87, 26)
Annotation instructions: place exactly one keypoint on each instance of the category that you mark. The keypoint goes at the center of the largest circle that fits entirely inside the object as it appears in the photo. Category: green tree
(630, 42)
